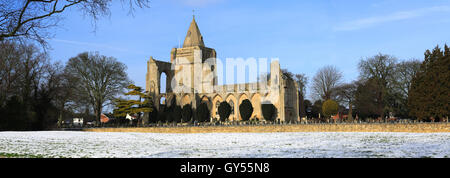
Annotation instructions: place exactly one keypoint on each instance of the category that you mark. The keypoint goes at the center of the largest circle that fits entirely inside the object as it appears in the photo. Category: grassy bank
(398, 127)
(15, 155)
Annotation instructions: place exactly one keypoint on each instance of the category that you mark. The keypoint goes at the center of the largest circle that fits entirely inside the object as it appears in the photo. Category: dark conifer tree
(269, 111)
(202, 113)
(187, 113)
(429, 96)
(246, 110)
(224, 111)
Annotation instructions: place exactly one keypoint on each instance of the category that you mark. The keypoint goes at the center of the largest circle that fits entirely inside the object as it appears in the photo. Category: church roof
(193, 36)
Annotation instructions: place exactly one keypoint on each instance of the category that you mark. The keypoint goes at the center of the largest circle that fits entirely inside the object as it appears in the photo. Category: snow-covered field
(302, 144)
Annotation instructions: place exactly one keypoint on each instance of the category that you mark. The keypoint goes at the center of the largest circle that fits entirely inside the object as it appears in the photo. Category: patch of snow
(291, 145)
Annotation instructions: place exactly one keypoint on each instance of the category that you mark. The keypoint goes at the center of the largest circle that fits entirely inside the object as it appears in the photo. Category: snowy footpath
(225, 145)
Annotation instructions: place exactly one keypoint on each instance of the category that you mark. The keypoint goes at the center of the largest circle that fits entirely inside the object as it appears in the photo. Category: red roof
(104, 118)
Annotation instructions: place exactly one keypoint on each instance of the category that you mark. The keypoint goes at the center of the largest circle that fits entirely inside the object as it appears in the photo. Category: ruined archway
(241, 98)
(186, 100)
(231, 99)
(162, 102)
(206, 100)
(164, 82)
(216, 102)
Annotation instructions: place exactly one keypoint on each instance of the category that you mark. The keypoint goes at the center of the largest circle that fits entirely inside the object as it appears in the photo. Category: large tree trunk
(350, 110)
(97, 112)
(381, 105)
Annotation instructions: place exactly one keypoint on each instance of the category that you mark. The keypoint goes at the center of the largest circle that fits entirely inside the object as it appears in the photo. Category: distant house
(340, 116)
(91, 123)
(104, 118)
(77, 121)
(130, 117)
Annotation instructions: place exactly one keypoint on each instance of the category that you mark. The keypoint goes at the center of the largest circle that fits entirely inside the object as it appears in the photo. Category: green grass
(16, 155)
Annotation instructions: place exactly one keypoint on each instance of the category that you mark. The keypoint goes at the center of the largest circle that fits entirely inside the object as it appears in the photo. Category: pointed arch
(163, 82)
(242, 97)
(231, 99)
(216, 101)
(186, 99)
(205, 99)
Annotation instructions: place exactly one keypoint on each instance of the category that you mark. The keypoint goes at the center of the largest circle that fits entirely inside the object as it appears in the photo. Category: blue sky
(304, 35)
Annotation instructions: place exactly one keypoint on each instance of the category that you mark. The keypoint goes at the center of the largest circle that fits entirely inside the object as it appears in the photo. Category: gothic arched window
(232, 106)
(217, 108)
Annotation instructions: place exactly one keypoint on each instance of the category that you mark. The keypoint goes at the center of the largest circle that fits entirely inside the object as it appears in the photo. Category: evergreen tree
(124, 107)
(153, 116)
(224, 111)
(366, 100)
(187, 113)
(202, 113)
(268, 111)
(429, 94)
(246, 109)
(176, 113)
(308, 108)
(163, 114)
(13, 116)
(317, 109)
(330, 108)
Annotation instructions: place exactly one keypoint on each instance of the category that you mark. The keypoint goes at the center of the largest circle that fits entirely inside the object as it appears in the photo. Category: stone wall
(400, 127)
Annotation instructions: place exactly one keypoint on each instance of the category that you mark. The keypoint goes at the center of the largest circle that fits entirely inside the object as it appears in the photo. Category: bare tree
(404, 72)
(301, 81)
(29, 79)
(62, 84)
(22, 67)
(99, 79)
(380, 69)
(31, 19)
(325, 80)
(345, 93)
(9, 69)
(403, 75)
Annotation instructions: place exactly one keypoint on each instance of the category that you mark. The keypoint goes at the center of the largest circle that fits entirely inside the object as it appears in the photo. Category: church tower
(194, 62)
(193, 36)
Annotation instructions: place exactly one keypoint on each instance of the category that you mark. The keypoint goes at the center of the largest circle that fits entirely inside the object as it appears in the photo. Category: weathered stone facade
(191, 78)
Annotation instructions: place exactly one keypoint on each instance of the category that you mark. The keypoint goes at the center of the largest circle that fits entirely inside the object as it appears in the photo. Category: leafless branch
(30, 19)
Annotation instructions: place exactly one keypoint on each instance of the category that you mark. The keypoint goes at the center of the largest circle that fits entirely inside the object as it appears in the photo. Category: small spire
(193, 36)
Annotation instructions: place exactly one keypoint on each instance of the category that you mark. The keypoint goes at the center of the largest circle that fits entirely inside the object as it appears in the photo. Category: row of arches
(214, 101)
(234, 102)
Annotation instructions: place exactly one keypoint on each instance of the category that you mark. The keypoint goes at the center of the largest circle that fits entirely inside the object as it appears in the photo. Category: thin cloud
(200, 3)
(96, 45)
(398, 16)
